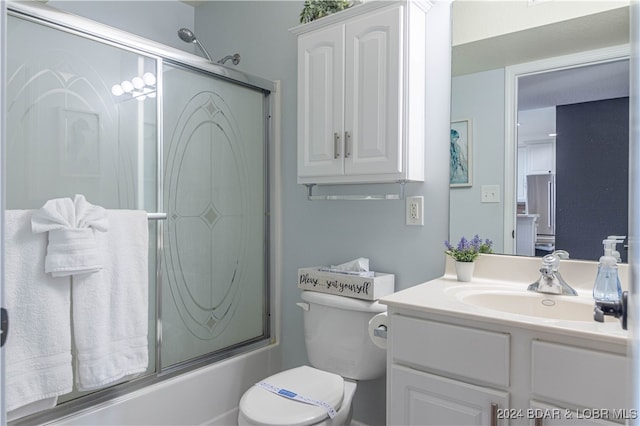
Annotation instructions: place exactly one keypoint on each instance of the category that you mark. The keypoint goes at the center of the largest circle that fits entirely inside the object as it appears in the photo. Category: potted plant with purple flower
(465, 254)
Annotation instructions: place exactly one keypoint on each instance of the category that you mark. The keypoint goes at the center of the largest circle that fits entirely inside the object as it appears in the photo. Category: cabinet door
(597, 378)
(418, 398)
(540, 414)
(541, 158)
(522, 174)
(321, 102)
(373, 92)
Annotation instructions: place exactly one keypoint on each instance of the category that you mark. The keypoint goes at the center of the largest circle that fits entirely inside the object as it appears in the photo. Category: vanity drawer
(461, 351)
(598, 379)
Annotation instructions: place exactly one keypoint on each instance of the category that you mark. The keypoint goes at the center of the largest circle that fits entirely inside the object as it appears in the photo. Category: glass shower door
(213, 291)
(69, 131)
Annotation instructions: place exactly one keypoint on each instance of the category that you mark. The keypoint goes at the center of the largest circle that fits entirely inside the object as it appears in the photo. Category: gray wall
(315, 232)
(156, 20)
(479, 97)
(330, 232)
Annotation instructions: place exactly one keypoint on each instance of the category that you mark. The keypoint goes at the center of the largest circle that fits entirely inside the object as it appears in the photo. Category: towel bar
(398, 196)
(157, 216)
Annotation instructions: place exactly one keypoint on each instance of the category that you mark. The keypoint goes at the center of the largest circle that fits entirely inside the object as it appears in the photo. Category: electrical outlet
(414, 211)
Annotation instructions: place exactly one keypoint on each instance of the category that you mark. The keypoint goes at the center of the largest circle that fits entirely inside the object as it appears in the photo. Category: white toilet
(340, 349)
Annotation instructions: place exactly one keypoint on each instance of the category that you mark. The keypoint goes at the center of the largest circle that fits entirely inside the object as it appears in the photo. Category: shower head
(188, 36)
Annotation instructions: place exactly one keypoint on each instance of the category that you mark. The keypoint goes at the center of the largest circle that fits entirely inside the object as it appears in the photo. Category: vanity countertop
(506, 278)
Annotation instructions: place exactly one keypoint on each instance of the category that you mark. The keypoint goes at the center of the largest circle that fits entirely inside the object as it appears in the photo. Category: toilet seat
(262, 407)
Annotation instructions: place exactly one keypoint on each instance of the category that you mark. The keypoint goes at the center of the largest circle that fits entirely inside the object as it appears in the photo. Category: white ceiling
(605, 29)
(584, 84)
(602, 81)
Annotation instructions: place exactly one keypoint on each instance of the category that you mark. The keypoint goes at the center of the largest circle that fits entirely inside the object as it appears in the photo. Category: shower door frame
(41, 14)
(3, 79)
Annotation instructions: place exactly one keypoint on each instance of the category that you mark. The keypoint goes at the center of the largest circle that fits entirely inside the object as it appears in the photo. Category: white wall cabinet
(361, 95)
(450, 371)
(541, 158)
(534, 158)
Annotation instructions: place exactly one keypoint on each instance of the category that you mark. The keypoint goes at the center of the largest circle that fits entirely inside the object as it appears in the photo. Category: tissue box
(346, 285)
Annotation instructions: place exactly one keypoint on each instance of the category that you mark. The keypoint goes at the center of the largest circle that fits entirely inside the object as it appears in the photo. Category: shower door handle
(4, 326)
(157, 216)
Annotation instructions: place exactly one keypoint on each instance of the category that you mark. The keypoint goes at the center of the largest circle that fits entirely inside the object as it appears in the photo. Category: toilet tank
(337, 335)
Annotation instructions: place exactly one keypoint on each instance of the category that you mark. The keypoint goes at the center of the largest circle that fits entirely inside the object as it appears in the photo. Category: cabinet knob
(336, 145)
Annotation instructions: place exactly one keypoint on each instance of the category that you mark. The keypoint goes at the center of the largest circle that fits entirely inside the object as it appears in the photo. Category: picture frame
(79, 143)
(460, 160)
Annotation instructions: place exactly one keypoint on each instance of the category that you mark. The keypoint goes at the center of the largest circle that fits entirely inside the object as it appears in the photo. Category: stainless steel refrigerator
(541, 200)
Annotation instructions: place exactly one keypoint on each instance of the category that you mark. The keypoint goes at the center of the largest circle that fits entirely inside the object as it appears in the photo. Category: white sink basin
(498, 294)
(544, 306)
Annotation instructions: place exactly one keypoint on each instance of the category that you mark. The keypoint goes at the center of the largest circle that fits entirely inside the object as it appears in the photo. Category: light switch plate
(490, 194)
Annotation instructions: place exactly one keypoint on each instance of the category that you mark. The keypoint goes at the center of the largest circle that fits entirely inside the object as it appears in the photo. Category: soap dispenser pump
(607, 287)
(619, 239)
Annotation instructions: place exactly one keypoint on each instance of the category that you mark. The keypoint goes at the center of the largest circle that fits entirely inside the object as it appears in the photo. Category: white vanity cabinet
(361, 94)
(589, 384)
(426, 399)
(449, 371)
(443, 374)
(526, 232)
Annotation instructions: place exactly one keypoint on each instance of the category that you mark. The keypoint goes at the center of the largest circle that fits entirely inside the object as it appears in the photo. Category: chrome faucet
(550, 280)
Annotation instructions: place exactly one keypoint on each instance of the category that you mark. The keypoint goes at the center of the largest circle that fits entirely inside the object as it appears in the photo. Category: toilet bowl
(261, 407)
(340, 352)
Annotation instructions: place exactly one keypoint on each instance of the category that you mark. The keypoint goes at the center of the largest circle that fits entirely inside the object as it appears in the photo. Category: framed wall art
(460, 165)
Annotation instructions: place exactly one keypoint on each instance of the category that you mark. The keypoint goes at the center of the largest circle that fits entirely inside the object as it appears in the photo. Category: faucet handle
(562, 254)
(550, 262)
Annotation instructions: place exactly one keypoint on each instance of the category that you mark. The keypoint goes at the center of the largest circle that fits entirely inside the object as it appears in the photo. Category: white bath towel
(38, 349)
(110, 307)
(71, 225)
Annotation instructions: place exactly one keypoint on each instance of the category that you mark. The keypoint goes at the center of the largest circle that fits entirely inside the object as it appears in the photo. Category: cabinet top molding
(356, 10)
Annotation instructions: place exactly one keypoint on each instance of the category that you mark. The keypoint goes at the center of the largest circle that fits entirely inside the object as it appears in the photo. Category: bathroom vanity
(489, 352)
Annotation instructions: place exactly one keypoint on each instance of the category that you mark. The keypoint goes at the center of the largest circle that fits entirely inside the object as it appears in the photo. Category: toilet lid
(262, 407)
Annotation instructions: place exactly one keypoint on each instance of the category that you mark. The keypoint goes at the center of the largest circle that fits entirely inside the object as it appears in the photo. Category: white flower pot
(465, 270)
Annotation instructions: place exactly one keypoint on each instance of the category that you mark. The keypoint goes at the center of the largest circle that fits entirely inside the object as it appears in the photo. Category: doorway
(540, 85)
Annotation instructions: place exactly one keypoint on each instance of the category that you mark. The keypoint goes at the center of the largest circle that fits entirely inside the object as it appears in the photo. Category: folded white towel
(71, 225)
(38, 350)
(110, 307)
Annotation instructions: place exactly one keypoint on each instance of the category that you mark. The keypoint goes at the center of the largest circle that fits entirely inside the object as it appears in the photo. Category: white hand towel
(38, 350)
(71, 226)
(110, 307)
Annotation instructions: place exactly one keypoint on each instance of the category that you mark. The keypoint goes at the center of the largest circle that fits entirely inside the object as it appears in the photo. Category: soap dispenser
(619, 239)
(607, 287)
